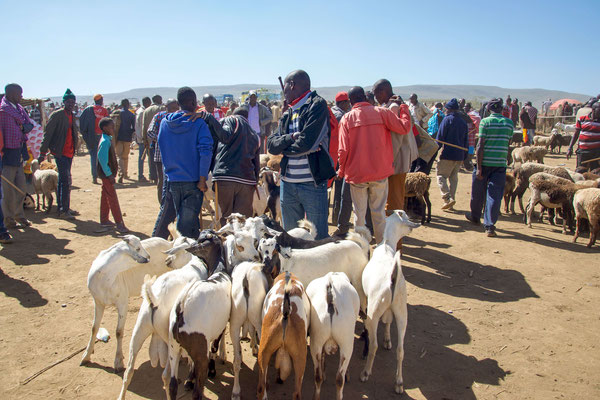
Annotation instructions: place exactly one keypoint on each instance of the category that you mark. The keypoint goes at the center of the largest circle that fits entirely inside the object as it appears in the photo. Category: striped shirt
(496, 132)
(589, 135)
(298, 170)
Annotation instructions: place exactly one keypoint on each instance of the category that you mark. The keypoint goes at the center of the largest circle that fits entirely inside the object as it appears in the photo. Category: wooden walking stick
(451, 145)
(592, 160)
(14, 186)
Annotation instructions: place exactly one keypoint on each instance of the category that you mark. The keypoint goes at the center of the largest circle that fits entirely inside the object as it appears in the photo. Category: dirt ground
(512, 317)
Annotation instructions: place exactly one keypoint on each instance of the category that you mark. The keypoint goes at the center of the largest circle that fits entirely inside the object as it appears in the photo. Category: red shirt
(100, 112)
(69, 149)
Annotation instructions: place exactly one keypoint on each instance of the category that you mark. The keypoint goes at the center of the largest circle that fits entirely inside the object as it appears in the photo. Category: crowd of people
(364, 144)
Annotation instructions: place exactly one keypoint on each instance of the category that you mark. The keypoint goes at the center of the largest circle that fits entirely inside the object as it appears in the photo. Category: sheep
(552, 192)
(115, 275)
(263, 160)
(562, 140)
(385, 288)
(590, 176)
(522, 173)
(529, 153)
(566, 128)
(274, 162)
(197, 320)
(334, 307)
(546, 141)
(349, 256)
(517, 137)
(159, 295)
(576, 176)
(509, 188)
(417, 185)
(587, 206)
(286, 316)
(45, 182)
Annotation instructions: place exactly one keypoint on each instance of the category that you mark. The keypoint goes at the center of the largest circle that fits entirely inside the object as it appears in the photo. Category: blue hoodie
(186, 147)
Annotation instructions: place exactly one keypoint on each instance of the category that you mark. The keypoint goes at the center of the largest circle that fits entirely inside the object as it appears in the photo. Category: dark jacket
(55, 133)
(87, 126)
(313, 115)
(454, 130)
(127, 126)
(525, 121)
(238, 151)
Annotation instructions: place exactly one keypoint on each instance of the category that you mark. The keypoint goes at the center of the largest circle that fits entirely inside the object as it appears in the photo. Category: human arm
(317, 120)
(267, 116)
(280, 140)
(49, 132)
(153, 129)
(427, 113)
(479, 150)
(574, 140)
(204, 147)
(398, 122)
(342, 148)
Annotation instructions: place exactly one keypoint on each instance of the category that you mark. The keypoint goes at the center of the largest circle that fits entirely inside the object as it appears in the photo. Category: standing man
(303, 139)
(528, 118)
(587, 131)
(259, 117)
(149, 113)
(514, 112)
(210, 106)
(419, 111)
(366, 155)
(342, 200)
(88, 123)
(139, 137)
(60, 136)
(453, 130)
(489, 175)
(172, 106)
(124, 138)
(186, 150)
(14, 125)
(546, 106)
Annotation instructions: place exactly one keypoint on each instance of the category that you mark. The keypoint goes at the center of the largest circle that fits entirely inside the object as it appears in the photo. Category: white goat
(159, 295)
(385, 289)
(349, 256)
(334, 306)
(566, 128)
(117, 274)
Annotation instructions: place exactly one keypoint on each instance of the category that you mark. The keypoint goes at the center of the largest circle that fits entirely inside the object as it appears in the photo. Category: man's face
(461, 103)
(69, 105)
(210, 105)
(288, 90)
(15, 95)
(413, 100)
(110, 129)
(252, 100)
(380, 96)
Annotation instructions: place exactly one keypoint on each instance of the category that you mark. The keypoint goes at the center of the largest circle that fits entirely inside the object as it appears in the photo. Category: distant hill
(469, 92)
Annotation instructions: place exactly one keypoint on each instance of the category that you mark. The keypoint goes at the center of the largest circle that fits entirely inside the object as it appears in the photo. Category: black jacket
(55, 133)
(313, 115)
(238, 149)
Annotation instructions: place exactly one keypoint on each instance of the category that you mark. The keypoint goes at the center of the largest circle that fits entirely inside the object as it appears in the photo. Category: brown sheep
(587, 206)
(522, 174)
(509, 187)
(417, 185)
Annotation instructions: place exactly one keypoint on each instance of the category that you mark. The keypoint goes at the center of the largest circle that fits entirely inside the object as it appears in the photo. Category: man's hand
(296, 135)
(396, 99)
(479, 174)
(202, 184)
(41, 158)
(569, 152)
(112, 179)
(200, 114)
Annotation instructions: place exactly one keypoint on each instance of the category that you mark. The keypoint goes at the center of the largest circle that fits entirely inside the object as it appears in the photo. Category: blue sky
(112, 46)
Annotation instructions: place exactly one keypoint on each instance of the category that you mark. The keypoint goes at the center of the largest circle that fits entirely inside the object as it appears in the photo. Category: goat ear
(239, 248)
(125, 238)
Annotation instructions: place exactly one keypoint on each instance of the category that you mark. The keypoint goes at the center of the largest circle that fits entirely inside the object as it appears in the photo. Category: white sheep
(587, 206)
(116, 274)
(566, 128)
(385, 288)
(529, 153)
(45, 182)
(334, 307)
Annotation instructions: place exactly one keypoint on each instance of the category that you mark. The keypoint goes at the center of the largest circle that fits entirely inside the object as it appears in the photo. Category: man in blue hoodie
(186, 148)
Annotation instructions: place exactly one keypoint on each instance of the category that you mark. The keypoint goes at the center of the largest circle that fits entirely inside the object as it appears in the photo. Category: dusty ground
(513, 317)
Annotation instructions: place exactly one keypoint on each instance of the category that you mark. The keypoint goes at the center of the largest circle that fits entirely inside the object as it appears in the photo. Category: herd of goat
(274, 286)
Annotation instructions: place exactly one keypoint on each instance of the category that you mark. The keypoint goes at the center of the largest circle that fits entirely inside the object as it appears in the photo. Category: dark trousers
(187, 199)
(588, 155)
(345, 207)
(488, 191)
(109, 203)
(235, 198)
(167, 212)
(151, 164)
(140, 161)
(63, 193)
(159, 183)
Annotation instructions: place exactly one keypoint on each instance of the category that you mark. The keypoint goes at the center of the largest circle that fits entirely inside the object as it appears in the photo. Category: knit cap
(68, 95)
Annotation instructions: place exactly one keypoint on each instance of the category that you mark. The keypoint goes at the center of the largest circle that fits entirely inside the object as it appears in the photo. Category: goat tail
(246, 287)
(309, 226)
(285, 305)
(361, 236)
(396, 273)
(173, 231)
(146, 290)
(330, 300)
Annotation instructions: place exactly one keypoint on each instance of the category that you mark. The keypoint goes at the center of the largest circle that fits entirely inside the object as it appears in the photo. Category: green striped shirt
(496, 131)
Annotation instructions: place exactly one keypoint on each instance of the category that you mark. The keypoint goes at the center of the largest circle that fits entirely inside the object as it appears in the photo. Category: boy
(107, 168)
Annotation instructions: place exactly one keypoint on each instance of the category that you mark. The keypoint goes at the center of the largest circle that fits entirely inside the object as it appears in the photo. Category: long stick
(451, 145)
(41, 371)
(588, 161)
(13, 186)
(218, 219)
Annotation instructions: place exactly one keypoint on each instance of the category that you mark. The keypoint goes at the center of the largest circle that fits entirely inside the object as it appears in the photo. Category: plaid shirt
(11, 121)
(153, 133)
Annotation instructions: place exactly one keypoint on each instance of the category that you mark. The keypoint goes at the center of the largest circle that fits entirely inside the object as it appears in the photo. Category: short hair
(243, 111)
(383, 84)
(357, 94)
(104, 122)
(185, 95)
(12, 86)
(207, 97)
(125, 102)
(146, 100)
(157, 98)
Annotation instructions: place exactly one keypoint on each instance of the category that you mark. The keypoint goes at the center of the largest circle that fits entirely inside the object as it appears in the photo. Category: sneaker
(73, 212)
(142, 179)
(68, 215)
(5, 238)
(448, 205)
(490, 233)
(473, 220)
(23, 222)
(107, 223)
(121, 228)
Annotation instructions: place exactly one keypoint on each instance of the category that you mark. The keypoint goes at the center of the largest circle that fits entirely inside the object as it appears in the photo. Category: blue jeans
(300, 199)
(140, 161)
(167, 212)
(151, 164)
(92, 144)
(63, 192)
(488, 190)
(187, 199)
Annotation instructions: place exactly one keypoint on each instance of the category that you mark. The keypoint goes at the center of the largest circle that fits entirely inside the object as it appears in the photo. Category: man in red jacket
(366, 155)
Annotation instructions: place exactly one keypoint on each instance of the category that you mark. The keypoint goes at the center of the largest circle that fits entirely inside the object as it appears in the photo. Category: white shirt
(253, 118)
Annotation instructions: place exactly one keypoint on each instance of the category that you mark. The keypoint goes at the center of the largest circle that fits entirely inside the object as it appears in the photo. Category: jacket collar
(362, 104)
